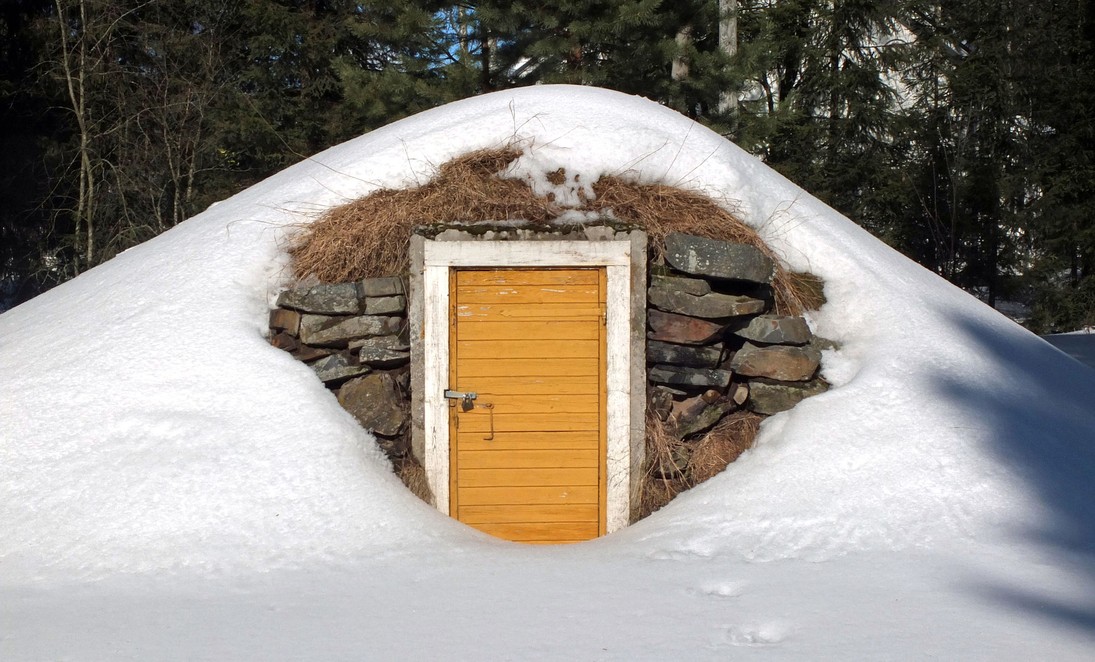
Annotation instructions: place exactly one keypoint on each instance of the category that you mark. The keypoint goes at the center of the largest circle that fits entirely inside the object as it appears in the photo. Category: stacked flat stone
(713, 344)
(354, 337)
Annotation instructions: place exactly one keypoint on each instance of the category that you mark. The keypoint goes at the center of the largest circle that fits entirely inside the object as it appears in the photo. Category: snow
(1080, 345)
(172, 487)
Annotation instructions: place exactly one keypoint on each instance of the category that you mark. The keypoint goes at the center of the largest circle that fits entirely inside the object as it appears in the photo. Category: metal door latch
(465, 398)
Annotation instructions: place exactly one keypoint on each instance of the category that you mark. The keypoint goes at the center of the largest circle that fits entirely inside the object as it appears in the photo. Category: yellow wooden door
(528, 459)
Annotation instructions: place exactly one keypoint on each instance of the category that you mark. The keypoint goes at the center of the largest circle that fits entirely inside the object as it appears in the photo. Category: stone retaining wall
(714, 347)
(716, 350)
(713, 344)
(354, 336)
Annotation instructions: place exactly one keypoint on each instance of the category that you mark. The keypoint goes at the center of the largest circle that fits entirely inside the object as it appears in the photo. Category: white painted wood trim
(618, 384)
(526, 254)
(440, 257)
(435, 323)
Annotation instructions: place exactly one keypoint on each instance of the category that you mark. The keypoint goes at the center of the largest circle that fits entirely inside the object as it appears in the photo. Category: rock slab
(697, 415)
(697, 357)
(285, 342)
(381, 342)
(385, 305)
(768, 397)
(713, 305)
(389, 351)
(670, 327)
(694, 286)
(337, 367)
(776, 330)
(285, 320)
(661, 401)
(306, 353)
(718, 259)
(324, 299)
(782, 362)
(381, 287)
(375, 401)
(328, 331)
(681, 376)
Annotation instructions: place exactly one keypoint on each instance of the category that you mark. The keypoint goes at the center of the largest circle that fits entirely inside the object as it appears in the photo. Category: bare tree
(74, 65)
(139, 81)
(728, 44)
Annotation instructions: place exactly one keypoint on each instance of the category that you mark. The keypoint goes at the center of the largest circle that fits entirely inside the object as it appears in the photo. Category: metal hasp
(464, 398)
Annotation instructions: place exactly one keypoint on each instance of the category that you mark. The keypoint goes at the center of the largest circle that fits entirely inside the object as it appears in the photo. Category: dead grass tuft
(557, 177)
(660, 209)
(730, 437)
(413, 476)
(656, 493)
(663, 479)
(663, 448)
(807, 289)
(370, 236)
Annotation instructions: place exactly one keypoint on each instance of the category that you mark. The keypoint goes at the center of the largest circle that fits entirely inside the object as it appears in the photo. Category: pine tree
(821, 108)
(978, 122)
(27, 127)
(629, 45)
(1062, 232)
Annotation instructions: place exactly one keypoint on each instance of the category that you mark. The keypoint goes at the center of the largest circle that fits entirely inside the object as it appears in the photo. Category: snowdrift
(146, 427)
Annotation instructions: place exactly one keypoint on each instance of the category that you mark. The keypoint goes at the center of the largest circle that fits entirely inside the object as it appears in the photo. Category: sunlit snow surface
(172, 487)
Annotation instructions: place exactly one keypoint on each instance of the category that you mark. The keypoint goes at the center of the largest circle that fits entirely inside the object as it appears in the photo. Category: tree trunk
(75, 75)
(462, 32)
(680, 68)
(485, 84)
(728, 43)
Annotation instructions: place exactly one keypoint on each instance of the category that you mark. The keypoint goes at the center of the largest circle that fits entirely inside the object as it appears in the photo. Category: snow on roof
(147, 427)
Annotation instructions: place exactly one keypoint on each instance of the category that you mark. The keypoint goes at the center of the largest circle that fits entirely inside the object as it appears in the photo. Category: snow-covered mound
(147, 427)
(1080, 345)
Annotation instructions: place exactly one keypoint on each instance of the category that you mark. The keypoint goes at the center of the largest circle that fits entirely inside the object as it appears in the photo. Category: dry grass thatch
(370, 236)
(730, 437)
(663, 478)
(413, 476)
(704, 458)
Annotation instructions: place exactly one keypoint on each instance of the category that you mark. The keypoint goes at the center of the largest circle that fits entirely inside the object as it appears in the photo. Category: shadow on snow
(1041, 429)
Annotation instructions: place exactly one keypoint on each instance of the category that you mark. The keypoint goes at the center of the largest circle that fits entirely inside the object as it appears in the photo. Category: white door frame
(615, 256)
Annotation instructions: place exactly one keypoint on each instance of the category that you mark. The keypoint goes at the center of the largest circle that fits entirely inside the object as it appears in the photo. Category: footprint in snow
(721, 589)
(760, 634)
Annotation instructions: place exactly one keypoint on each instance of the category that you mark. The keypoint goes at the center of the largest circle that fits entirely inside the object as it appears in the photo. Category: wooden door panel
(531, 330)
(529, 477)
(582, 512)
(527, 461)
(471, 295)
(538, 367)
(535, 385)
(562, 403)
(483, 422)
(525, 458)
(541, 531)
(526, 277)
(514, 441)
(523, 349)
(522, 496)
(521, 313)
